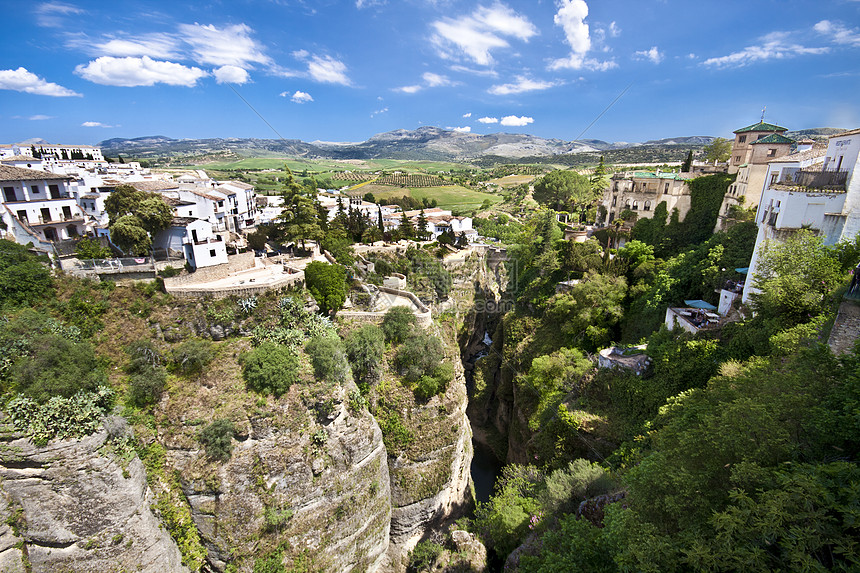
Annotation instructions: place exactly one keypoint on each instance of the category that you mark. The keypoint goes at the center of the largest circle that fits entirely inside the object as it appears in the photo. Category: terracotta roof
(9, 173)
(817, 151)
(761, 126)
(153, 185)
(851, 132)
(209, 196)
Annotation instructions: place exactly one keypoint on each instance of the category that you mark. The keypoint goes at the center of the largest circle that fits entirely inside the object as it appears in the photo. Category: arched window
(627, 203)
(635, 205)
(647, 206)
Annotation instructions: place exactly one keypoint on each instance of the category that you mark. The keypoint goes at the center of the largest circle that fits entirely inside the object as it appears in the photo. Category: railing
(821, 179)
(126, 263)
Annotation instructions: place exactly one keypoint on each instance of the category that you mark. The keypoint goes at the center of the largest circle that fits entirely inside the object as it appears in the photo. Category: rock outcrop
(75, 505)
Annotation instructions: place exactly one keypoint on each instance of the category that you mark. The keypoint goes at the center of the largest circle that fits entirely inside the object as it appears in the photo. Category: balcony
(830, 180)
(43, 221)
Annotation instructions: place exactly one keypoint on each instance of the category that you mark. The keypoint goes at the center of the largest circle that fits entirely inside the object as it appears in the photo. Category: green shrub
(271, 563)
(419, 355)
(398, 324)
(364, 348)
(192, 355)
(59, 417)
(565, 488)
(423, 556)
(57, 367)
(92, 249)
(23, 276)
(217, 438)
(168, 272)
(328, 358)
(270, 368)
(145, 387)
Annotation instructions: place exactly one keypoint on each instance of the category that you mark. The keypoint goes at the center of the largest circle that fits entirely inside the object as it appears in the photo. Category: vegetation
(24, 278)
(328, 358)
(135, 218)
(327, 284)
(718, 150)
(270, 368)
(217, 438)
(192, 356)
(398, 323)
(364, 348)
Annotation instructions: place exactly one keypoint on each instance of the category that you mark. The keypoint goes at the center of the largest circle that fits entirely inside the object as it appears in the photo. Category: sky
(327, 70)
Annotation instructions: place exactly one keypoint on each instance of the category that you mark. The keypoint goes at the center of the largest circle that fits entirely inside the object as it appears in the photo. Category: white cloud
(467, 115)
(571, 18)
(21, 80)
(50, 14)
(512, 120)
(654, 55)
(327, 70)
(474, 36)
(230, 45)
(95, 124)
(488, 120)
(435, 80)
(160, 46)
(474, 72)
(465, 129)
(143, 71)
(301, 97)
(521, 85)
(231, 75)
(614, 30)
(774, 46)
(368, 3)
(379, 111)
(409, 89)
(40, 117)
(839, 33)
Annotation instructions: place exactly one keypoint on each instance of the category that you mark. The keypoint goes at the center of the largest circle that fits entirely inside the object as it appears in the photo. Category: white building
(38, 208)
(194, 240)
(810, 190)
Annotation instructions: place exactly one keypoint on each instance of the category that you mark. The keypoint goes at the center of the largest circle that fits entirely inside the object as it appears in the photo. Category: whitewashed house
(810, 190)
(37, 206)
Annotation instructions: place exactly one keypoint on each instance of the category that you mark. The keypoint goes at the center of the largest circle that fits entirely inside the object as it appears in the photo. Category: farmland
(451, 197)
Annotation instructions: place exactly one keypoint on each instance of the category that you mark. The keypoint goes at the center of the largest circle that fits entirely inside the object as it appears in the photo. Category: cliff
(78, 505)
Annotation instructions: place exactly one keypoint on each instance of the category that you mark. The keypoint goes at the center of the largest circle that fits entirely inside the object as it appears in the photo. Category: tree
(369, 197)
(720, 149)
(217, 438)
(422, 225)
(91, 249)
(57, 366)
(24, 278)
(300, 221)
(327, 284)
(406, 230)
(688, 162)
(565, 191)
(270, 368)
(398, 323)
(328, 358)
(795, 279)
(129, 235)
(364, 349)
(598, 178)
(135, 218)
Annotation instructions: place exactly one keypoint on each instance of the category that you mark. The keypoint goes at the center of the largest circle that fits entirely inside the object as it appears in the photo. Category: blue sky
(75, 72)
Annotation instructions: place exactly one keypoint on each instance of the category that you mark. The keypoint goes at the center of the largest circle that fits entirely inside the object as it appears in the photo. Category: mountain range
(424, 143)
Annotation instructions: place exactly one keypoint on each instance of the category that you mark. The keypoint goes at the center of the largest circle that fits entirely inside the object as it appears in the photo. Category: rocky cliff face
(76, 505)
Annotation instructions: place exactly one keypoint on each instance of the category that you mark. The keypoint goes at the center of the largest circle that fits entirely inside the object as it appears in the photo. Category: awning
(699, 304)
(742, 270)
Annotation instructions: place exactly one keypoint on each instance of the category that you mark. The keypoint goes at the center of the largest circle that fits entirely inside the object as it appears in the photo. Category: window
(614, 200)
(666, 187)
(627, 203)
(647, 206)
(9, 194)
(635, 205)
(774, 177)
(34, 189)
(212, 253)
(742, 138)
(55, 191)
(771, 152)
(737, 158)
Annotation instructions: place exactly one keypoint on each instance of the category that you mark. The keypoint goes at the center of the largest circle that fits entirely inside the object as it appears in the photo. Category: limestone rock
(77, 508)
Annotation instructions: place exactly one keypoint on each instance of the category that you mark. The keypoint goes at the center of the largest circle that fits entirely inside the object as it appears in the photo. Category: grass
(451, 197)
(321, 166)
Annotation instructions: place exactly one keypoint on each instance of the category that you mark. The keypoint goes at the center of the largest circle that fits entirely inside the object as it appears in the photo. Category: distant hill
(424, 143)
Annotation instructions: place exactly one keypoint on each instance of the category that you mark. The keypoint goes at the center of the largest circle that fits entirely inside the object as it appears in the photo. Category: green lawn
(451, 197)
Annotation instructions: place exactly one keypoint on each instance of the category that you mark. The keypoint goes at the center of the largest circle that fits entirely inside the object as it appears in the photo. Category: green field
(321, 166)
(451, 197)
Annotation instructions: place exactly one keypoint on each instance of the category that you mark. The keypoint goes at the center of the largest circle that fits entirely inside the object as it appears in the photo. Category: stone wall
(240, 262)
(846, 328)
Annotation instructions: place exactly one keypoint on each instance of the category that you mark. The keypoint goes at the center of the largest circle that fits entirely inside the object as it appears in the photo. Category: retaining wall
(235, 263)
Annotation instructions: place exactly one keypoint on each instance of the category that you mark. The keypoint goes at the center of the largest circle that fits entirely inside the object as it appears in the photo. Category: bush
(270, 368)
(398, 324)
(60, 417)
(145, 387)
(57, 367)
(23, 276)
(92, 249)
(327, 284)
(364, 348)
(168, 272)
(191, 356)
(419, 355)
(217, 438)
(328, 358)
(423, 556)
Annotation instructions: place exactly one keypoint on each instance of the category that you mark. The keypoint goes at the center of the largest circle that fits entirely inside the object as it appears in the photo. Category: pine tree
(422, 225)
(407, 231)
(688, 163)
